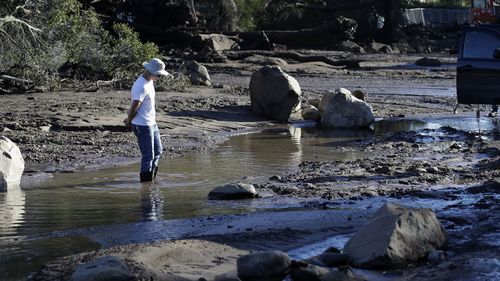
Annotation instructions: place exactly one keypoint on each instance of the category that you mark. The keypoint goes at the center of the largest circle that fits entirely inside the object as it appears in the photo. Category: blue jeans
(149, 141)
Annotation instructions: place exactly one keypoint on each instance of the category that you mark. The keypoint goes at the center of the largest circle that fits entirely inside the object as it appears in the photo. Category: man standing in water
(142, 118)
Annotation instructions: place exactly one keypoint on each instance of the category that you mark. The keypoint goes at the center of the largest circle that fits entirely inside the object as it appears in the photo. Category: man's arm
(131, 113)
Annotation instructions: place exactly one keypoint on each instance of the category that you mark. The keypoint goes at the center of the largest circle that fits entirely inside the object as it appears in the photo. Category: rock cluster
(341, 109)
(396, 236)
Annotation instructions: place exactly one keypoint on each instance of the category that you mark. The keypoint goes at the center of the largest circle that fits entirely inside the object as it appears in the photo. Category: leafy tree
(49, 39)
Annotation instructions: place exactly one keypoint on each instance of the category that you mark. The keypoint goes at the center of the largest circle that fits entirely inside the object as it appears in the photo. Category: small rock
(230, 276)
(233, 191)
(310, 186)
(310, 112)
(333, 259)
(436, 256)
(309, 273)
(276, 178)
(428, 62)
(432, 170)
(369, 193)
(268, 265)
(332, 249)
(359, 95)
(347, 275)
(314, 102)
(45, 129)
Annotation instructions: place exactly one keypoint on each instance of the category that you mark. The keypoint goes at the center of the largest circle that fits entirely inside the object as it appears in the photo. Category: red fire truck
(485, 11)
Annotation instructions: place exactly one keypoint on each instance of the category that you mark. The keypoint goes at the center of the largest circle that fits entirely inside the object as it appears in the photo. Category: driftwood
(239, 55)
(15, 79)
(12, 85)
(324, 36)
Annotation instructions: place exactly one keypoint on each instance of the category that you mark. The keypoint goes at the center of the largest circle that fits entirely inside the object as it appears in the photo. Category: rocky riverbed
(75, 131)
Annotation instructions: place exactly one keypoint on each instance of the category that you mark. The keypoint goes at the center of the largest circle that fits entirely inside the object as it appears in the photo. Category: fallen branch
(290, 55)
(15, 79)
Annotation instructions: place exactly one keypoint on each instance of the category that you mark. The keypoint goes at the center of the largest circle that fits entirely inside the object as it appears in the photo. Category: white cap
(155, 67)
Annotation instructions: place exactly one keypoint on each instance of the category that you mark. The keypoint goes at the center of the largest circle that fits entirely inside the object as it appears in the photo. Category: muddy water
(38, 221)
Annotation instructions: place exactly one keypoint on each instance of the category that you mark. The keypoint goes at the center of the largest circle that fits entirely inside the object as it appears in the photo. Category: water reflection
(400, 125)
(152, 201)
(12, 209)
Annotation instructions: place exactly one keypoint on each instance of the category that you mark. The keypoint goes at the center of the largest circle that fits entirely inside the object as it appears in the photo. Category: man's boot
(147, 176)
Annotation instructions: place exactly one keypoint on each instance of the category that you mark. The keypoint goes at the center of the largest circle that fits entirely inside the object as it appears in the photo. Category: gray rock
(220, 42)
(314, 261)
(311, 113)
(45, 129)
(428, 62)
(359, 95)
(332, 249)
(268, 265)
(343, 276)
(230, 276)
(342, 110)
(107, 268)
(396, 236)
(197, 73)
(262, 60)
(333, 259)
(11, 164)
(273, 93)
(436, 256)
(349, 46)
(381, 48)
(314, 102)
(233, 191)
(309, 273)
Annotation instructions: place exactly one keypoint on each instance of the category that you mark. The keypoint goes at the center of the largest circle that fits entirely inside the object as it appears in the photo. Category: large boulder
(273, 93)
(342, 110)
(268, 266)
(11, 164)
(106, 268)
(233, 191)
(197, 73)
(396, 236)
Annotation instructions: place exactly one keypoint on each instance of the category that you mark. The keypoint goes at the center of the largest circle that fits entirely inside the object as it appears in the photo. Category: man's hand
(127, 123)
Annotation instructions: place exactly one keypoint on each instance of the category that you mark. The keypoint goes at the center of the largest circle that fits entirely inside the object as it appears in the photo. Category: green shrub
(128, 53)
(68, 41)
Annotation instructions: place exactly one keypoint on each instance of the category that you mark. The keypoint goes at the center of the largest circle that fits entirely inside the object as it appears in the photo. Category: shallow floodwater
(38, 221)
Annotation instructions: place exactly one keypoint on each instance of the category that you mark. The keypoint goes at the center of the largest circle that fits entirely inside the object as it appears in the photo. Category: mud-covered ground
(68, 131)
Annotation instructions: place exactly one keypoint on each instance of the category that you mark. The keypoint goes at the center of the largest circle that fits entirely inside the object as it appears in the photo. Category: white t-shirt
(144, 91)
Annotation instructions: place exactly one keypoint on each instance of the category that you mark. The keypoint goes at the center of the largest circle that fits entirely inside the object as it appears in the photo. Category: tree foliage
(47, 40)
